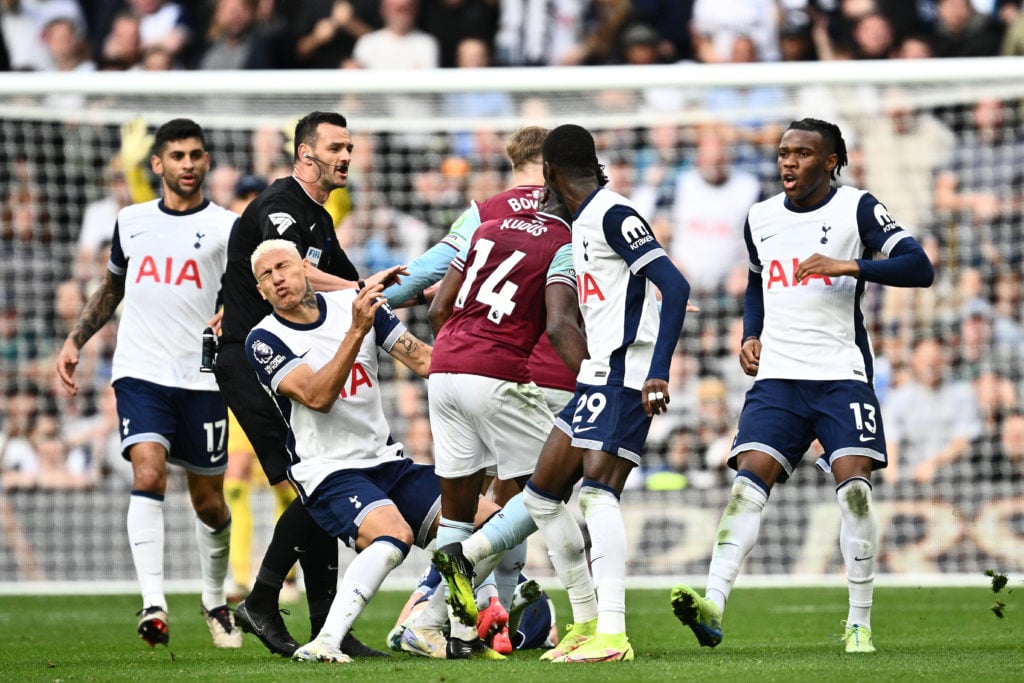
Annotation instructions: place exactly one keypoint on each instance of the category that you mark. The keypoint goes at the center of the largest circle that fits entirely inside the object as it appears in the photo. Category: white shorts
(479, 422)
(556, 399)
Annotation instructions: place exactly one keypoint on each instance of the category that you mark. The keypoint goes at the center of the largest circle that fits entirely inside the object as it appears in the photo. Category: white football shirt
(814, 329)
(354, 433)
(611, 244)
(172, 263)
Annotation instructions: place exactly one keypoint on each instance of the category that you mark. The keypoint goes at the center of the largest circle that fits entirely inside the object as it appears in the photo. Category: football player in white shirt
(166, 262)
(810, 251)
(317, 352)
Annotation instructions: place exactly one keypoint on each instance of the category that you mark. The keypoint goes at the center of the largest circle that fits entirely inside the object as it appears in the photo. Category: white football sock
(362, 578)
(214, 549)
(737, 533)
(566, 548)
(858, 541)
(607, 555)
(146, 537)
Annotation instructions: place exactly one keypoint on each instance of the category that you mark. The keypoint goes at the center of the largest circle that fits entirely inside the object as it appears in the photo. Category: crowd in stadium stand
(68, 35)
(957, 347)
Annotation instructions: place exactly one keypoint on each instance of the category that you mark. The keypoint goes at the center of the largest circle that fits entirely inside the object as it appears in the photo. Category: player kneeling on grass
(349, 473)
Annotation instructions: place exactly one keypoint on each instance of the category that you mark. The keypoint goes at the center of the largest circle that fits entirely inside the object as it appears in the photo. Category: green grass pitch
(922, 634)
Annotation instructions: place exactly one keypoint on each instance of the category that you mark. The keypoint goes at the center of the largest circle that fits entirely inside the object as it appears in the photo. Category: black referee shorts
(256, 411)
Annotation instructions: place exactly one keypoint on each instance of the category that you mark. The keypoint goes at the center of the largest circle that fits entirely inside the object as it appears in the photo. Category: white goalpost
(426, 143)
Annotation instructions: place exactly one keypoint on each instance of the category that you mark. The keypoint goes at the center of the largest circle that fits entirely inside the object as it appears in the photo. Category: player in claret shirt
(810, 251)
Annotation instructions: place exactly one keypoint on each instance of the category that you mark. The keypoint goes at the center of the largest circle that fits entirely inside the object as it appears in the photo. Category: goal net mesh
(940, 143)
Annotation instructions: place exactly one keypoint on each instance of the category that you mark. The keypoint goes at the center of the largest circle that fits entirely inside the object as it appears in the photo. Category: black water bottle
(209, 360)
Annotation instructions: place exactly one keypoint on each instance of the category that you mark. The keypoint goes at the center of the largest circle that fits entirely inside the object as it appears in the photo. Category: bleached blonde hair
(271, 245)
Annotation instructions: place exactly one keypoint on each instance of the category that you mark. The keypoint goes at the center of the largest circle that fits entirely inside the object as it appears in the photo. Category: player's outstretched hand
(750, 355)
(67, 361)
(654, 396)
(388, 276)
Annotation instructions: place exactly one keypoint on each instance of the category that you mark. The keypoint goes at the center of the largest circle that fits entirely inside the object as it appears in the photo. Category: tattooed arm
(413, 353)
(98, 310)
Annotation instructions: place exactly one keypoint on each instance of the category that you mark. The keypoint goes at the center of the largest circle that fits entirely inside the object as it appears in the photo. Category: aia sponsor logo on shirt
(779, 277)
(172, 273)
(587, 288)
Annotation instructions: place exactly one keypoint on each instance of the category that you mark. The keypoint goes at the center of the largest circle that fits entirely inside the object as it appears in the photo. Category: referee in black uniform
(291, 208)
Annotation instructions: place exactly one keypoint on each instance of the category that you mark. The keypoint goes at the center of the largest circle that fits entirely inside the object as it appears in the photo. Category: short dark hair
(177, 129)
(572, 149)
(832, 136)
(305, 129)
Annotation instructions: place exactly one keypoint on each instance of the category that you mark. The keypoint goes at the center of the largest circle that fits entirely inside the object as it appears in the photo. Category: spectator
(550, 32)
(236, 40)
(796, 42)
(711, 202)
(1013, 39)
(914, 47)
(165, 30)
(122, 48)
(1006, 458)
(873, 37)
(68, 50)
(246, 189)
(931, 419)
(22, 27)
(902, 152)
(328, 30)
(454, 21)
(671, 18)
(718, 24)
(639, 44)
(66, 44)
(978, 191)
(53, 469)
(399, 44)
(962, 31)
(17, 458)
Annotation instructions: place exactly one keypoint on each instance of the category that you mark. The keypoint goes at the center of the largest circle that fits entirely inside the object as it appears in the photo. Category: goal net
(940, 142)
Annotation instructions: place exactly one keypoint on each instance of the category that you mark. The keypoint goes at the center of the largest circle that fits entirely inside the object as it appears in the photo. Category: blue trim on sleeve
(907, 266)
(675, 292)
(753, 306)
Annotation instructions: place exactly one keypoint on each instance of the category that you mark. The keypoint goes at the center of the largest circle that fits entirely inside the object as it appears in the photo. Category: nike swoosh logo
(136, 234)
(864, 439)
(217, 458)
(312, 227)
(767, 237)
(861, 559)
(580, 430)
(142, 543)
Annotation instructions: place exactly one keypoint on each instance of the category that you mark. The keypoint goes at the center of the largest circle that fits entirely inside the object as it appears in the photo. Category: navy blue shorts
(191, 425)
(342, 500)
(782, 417)
(606, 418)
